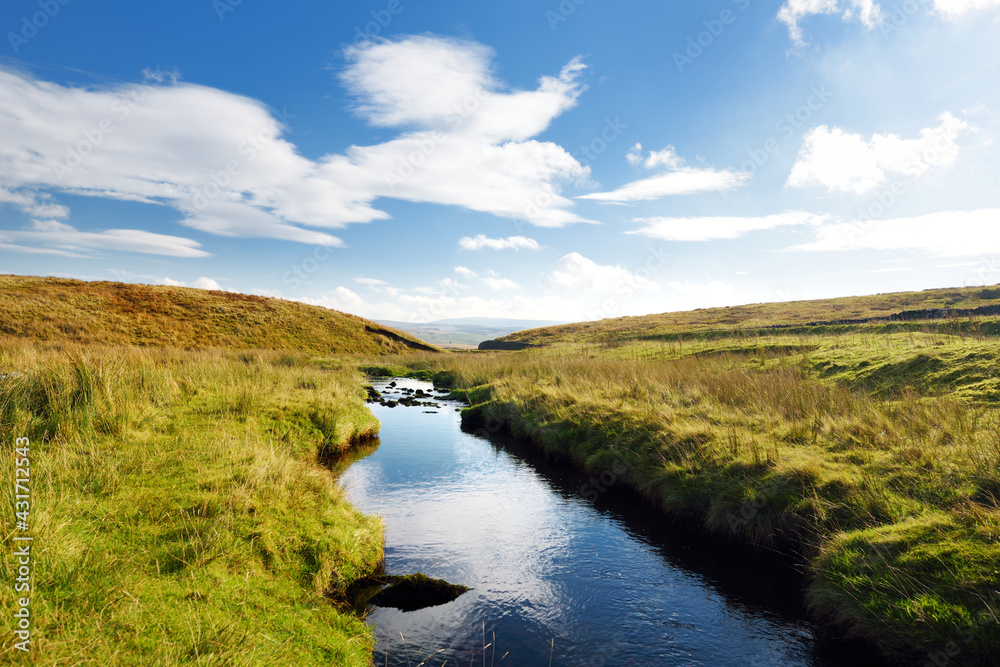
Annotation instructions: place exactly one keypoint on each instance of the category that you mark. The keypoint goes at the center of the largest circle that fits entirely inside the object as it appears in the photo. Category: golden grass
(740, 319)
(53, 309)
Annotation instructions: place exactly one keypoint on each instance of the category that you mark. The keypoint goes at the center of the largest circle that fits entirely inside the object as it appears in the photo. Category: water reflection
(555, 575)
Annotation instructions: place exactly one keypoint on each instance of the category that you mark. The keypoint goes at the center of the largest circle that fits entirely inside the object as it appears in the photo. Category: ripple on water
(610, 584)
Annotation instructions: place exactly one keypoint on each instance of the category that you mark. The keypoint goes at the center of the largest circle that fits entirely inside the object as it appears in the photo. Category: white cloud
(836, 160)
(867, 11)
(341, 299)
(634, 155)
(498, 284)
(453, 285)
(841, 161)
(688, 295)
(221, 159)
(677, 180)
(708, 228)
(513, 243)
(207, 283)
(57, 235)
(38, 205)
(417, 81)
(667, 157)
(200, 283)
(370, 281)
(427, 308)
(955, 9)
(947, 233)
(683, 181)
(581, 292)
(584, 275)
(465, 272)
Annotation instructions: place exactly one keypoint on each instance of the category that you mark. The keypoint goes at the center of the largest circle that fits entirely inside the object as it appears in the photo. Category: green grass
(873, 458)
(179, 508)
(60, 310)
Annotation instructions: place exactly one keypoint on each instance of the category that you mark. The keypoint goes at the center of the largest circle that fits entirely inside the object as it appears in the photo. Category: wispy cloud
(498, 284)
(222, 161)
(946, 233)
(867, 11)
(512, 243)
(722, 227)
(587, 276)
(61, 238)
(677, 180)
(955, 9)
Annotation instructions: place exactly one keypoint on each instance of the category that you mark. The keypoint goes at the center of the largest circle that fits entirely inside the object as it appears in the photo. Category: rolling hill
(824, 312)
(465, 331)
(56, 309)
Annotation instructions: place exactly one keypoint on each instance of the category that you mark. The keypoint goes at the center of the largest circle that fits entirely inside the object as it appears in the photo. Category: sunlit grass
(746, 321)
(180, 514)
(59, 310)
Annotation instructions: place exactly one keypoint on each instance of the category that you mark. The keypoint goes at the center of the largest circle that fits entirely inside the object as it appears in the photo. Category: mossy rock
(415, 591)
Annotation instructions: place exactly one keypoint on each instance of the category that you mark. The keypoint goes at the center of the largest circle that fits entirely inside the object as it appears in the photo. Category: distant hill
(55, 309)
(802, 313)
(466, 331)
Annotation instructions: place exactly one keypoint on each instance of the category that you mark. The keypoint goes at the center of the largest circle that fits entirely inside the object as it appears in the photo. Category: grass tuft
(179, 510)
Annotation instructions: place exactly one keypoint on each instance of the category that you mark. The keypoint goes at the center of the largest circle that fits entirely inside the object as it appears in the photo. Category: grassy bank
(179, 508)
(875, 459)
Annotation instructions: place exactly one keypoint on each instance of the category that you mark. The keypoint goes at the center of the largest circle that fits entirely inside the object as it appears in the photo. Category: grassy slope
(669, 325)
(54, 309)
(178, 508)
(874, 455)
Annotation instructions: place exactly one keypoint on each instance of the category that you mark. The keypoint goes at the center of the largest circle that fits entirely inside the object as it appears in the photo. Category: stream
(557, 576)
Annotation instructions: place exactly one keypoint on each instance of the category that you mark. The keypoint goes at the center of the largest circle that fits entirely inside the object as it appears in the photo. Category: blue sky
(577, 160)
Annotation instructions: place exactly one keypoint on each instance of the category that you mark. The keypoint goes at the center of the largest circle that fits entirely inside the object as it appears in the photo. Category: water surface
(555, 574)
